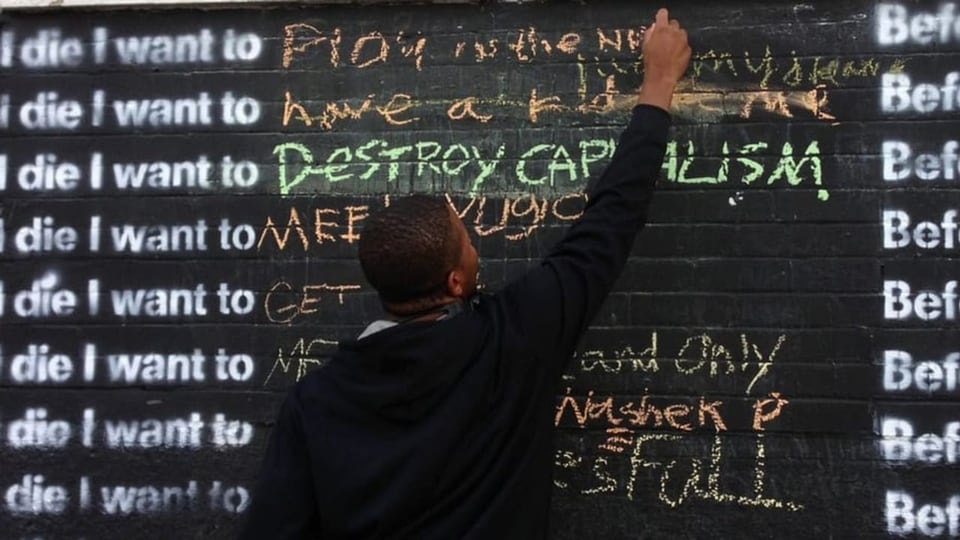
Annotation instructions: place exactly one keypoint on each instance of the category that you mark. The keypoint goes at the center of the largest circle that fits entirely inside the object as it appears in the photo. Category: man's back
(443, 428)
(431, 430)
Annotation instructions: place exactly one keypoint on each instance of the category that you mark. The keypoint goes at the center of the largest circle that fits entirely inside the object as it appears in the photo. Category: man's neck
(420, 310)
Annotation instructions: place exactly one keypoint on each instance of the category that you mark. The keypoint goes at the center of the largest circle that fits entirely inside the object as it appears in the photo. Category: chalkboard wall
(182, 193)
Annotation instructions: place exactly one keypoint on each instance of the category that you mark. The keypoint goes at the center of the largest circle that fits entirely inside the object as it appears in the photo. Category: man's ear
(456, 283)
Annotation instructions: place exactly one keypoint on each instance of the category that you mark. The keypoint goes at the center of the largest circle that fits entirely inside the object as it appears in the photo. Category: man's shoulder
(314, 384)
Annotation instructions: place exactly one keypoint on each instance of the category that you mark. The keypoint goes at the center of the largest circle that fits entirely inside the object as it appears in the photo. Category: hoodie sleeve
(284, 505)
(551, 305)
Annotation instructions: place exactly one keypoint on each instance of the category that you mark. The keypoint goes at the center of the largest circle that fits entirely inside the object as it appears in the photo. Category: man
(437, 421)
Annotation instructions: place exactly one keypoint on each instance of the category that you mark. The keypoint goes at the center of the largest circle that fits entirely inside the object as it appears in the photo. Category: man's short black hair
(407, 249)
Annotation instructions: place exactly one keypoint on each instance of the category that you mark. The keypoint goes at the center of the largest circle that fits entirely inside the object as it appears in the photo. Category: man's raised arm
(553, 303)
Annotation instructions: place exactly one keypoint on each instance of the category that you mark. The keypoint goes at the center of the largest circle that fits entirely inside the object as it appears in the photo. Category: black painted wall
(182, 192)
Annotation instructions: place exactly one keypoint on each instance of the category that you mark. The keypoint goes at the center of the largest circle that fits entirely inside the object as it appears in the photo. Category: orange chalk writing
(712, 410)
(380, 48)
(283, 303)
(766, 410)
(604, 102)
(464, 109)
(398, 104)
(613, 39)
(332, 113)
(304, 41)
(355, 214)
(413, 49)
(635, 414)
(299, 38)
(547, 104)
(318, 226)
(293, 224)
(526, 45)
(569, 42)
(618, 440)
(486, 51)
(325, 221)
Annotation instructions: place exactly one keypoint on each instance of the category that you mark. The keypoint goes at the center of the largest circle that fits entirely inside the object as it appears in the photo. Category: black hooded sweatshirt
(444, 429)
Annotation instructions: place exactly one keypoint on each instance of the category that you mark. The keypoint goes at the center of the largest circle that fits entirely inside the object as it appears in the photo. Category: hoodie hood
(402, 372)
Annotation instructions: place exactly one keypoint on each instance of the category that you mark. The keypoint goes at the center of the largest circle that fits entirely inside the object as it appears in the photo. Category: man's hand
(666, 55)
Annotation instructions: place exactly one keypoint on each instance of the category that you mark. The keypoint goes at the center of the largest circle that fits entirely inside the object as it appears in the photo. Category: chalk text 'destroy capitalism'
(553, 167)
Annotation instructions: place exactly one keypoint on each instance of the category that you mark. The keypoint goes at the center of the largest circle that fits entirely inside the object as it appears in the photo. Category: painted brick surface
(182, 192)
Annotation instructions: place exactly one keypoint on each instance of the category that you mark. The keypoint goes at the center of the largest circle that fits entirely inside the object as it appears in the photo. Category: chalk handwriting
(764, 68)
(712, 103)
(558, 167)
(305, 355)
(283, 303)
(611, 412)
(701, 484)
(736, 164)
(514, 217)
(326, 222)
(636, 414)
(677, 481)
(601, 51)
(333, 112)
(363, 51)
(697, 354)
